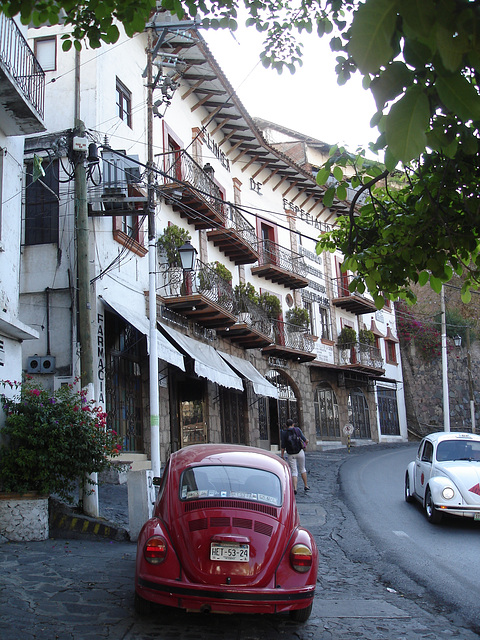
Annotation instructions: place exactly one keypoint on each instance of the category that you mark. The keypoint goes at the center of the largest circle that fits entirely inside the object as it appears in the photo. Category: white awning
(166, 351)
(207, 363)
(261, 386)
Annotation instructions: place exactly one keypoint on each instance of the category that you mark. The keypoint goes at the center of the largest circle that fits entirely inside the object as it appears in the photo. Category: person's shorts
(297, 462)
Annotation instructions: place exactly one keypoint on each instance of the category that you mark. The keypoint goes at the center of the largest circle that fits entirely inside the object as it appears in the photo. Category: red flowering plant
(51, 441)
(426, 336)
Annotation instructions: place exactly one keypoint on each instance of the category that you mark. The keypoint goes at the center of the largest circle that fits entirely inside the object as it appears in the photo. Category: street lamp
(457, 340)
(188, 255)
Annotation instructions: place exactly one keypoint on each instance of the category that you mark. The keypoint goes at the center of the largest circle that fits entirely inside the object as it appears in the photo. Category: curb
(65, 523)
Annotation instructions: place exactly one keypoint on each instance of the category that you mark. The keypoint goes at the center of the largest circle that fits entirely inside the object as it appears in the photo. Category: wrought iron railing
(235, 220)
(252, 315)
(292, 336)
(17, 57)
(203, 279)
(361, 354)
(179, 167)
(341, 290)
(272, 253)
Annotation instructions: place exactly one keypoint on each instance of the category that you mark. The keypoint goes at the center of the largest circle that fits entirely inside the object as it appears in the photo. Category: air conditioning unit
(34, 364)
(41, 364)
(48, 364)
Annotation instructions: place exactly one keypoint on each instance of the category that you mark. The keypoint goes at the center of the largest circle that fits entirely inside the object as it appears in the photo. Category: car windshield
(458, 450)
(221, 481)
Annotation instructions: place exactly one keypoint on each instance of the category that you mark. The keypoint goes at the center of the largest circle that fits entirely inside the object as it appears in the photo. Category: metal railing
(341, 290)
(252, 315)
(235, 220)
(361, 354)
(272, 253)
(292, 336)
(203, 279)
(182, 168)
(17, 57)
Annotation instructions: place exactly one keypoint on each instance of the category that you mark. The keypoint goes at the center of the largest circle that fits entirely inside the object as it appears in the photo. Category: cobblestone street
(83, 589)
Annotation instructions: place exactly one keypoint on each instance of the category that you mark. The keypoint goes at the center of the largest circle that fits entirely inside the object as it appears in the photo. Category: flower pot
(23, 517)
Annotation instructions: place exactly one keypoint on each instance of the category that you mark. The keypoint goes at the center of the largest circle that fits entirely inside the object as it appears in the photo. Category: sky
(309, 102)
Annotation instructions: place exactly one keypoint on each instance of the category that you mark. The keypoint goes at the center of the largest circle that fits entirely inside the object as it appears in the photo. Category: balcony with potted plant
(361, 355)
(290, 341)
(253, 328)
(236, 237)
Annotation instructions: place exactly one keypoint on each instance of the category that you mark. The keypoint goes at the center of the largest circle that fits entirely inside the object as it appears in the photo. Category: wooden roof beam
(201, 102)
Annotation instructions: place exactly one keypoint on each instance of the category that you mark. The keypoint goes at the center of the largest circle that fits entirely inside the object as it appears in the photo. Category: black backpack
(293, 442)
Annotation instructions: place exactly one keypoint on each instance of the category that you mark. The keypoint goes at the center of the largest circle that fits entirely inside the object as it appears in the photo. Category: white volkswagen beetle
(445, 476)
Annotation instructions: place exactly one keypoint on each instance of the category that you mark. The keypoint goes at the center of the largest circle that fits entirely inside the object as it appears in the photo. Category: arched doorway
(273, 413)
(326, 413)
(359, 414)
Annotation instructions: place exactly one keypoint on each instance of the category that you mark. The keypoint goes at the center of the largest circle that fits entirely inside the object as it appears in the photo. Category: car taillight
(301, 558)
(155, 550)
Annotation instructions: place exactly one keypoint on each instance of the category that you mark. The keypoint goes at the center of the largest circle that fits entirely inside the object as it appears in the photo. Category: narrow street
(83, 589)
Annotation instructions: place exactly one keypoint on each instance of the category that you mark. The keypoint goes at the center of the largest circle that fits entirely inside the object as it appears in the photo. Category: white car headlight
(448, 493)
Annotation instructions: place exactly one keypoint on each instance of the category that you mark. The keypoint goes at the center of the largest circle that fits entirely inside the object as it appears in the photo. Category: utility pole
(446, 399)
(90, 500)
(470, 382)
(152, 281)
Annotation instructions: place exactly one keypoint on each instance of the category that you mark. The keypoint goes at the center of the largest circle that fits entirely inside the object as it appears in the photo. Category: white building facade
(22, 88)
(229, 369)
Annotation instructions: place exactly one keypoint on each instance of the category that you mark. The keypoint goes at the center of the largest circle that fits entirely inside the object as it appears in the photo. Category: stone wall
(424, 389)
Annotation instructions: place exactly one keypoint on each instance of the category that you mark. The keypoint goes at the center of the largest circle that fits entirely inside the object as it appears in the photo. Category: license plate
(229, 552)
(476, 516)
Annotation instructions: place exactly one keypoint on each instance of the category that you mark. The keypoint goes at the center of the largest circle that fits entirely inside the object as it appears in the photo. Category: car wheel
(301, 615)
(142, 607)
(408, 490)
(433, 515)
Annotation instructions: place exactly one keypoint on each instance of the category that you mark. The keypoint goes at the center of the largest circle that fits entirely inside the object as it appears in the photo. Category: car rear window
(240, 483)
(458, 450)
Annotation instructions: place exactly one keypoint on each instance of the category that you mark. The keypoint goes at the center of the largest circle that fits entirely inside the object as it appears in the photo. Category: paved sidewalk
(82, 589)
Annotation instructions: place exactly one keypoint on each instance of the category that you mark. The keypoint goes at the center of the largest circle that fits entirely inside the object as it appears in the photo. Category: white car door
(423, 467)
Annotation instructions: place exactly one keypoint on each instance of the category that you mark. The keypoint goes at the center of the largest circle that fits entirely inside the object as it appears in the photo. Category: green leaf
(322, 176)
(436, 284)
(371, 34)
(342, 192)
(338, 173)
(390, 83)
(419, 15)
(328, 197)
(423, 278)
(459, 96)
(379, 301)
(466, 296)
(452, 45)
(406, 125)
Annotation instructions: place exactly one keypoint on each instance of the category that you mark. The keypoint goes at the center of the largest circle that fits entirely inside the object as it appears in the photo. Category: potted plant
(172, 238)
(245, 296)
(50, 442)
(366, 339)
(270, 304)
(347, 338)
(168, 244)
(297, 318)
(221, 271)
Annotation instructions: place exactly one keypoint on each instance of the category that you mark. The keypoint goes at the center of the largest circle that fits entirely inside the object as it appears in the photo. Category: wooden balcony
(253, 329)
(201, 295)
(290, 343)
(353, 302)
(188, 188)
(281, 266)
(236, 238)
(361, 357)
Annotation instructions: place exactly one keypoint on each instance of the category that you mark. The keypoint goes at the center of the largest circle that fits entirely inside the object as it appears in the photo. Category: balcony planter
(23, 517)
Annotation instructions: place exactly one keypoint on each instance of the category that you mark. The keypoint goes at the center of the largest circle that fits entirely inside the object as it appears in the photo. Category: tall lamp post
(446, 400)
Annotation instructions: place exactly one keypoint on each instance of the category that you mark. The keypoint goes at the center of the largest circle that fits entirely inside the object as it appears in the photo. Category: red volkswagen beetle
(225, 537)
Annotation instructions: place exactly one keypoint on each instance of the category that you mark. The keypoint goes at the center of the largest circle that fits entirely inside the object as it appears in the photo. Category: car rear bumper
(218, 600)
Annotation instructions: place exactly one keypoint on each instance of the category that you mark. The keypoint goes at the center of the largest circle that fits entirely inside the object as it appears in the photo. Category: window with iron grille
(388, 411)
(124, 103)
(41, 205)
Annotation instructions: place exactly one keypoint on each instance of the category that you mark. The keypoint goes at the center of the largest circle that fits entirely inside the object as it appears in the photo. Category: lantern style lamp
(188, 254)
